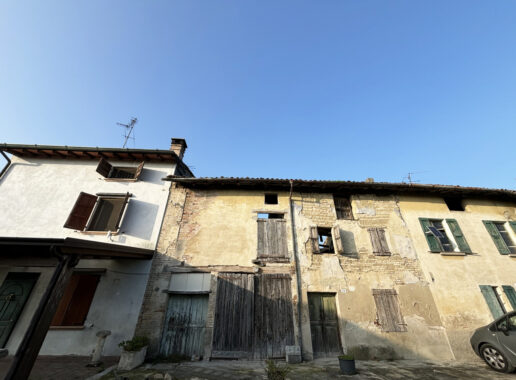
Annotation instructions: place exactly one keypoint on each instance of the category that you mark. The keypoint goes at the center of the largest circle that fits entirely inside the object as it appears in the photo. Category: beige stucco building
(248, 267)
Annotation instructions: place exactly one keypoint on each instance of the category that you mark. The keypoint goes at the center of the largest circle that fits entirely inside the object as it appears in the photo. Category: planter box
(131, 359)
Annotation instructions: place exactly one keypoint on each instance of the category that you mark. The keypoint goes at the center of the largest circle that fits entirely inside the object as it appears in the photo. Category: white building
(101, 208)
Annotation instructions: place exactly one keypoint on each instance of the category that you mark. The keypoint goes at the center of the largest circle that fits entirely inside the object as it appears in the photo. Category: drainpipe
(298, 268)
(6, 165)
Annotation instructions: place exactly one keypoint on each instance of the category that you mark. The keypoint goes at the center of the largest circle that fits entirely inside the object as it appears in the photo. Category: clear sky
(343, 89)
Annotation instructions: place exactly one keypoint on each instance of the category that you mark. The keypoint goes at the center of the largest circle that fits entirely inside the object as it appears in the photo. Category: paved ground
(60, 367)
(316, 370)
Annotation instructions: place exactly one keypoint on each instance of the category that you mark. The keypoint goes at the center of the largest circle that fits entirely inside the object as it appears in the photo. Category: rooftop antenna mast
(128, 130)
(409, 177)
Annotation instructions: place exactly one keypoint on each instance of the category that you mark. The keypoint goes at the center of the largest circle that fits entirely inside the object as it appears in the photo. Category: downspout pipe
(298, 268)
(4, 169)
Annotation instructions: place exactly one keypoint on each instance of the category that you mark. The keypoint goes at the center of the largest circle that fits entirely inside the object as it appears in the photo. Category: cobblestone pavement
(60, 367)
(316, 370)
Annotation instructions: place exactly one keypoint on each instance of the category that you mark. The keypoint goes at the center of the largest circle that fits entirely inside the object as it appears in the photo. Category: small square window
(269, 215)
(454, 204)
(271, 199)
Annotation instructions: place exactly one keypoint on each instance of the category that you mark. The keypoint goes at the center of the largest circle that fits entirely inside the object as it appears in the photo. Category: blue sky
(292, 89)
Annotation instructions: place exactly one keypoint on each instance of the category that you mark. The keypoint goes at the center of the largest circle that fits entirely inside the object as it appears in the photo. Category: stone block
(293, 354)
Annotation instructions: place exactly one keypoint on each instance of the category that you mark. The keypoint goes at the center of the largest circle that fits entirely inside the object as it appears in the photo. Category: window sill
(98, 233)
(120, 179)
(260, 260)
(66, 328)
(512, 255)
(453, 254)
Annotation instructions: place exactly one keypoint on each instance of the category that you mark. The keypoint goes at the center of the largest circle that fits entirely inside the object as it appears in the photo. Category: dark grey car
(496, 343)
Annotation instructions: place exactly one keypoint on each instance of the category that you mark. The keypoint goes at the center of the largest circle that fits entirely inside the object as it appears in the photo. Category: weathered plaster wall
(454, 281)
(37, 196)
(353, 275)
(211, 231)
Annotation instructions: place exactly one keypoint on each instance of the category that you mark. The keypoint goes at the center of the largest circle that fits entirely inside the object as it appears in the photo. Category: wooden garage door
(234, 316)
(274, 325)
(185, 325)
(324, 324)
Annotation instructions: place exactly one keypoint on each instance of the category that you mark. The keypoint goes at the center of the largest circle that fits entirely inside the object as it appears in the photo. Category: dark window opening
(271, 199)
(325, 240)
(342, 207)
(454, 204)
(506, 237)
(269, 215)
(107, 214)
(122, 172)
(107, 170)
(76, 301)
(437, 229)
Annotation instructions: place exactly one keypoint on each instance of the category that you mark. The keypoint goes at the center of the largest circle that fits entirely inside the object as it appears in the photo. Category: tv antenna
(410, 175)
(128, 130)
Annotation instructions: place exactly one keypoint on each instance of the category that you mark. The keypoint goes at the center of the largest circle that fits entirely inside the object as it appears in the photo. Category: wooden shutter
(122, 210)
(104, 168)
(81, 211)
(139, 170)
(513, 225)
(272, 238)
(314, 239)
(388, 309)
(342, 207)
(379, 242)
(511, 295)
(458, 236)
(262, 238)
(337, 240)
(492, 300)
(383, 242)
(497, 238)
(433, 243)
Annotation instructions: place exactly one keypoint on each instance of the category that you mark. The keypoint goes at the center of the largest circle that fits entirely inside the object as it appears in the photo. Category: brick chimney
(178, 146)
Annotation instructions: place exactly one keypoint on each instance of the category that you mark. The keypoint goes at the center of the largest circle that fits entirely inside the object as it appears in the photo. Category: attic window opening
(342, 207)
(109, 171)
(271, 199)
(325, 240)
(454, 204)
(269, 215)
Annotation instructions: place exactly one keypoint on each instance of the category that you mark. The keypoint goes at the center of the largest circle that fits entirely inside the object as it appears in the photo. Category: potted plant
(347, 364)
(133, 352)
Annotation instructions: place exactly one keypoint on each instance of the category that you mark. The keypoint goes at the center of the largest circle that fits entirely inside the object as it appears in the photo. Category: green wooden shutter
(513, 225)
(511, 295)
(433, 243)
(497, 239)
(459, 237)
(491, 300)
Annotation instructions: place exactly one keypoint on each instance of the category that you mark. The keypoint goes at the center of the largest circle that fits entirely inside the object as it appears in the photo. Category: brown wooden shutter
(337, 241)
(272, 238)
(122, 209)
(81, 211)
(342, 207)
(383, 242)
(103, 168)
(314, 239)
(375, 240)
(262, 238)
(139, 170)
(65, 301)
(388, 310)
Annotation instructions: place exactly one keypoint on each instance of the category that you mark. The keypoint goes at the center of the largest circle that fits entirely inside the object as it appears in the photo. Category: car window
(502, 325)
(512, 322)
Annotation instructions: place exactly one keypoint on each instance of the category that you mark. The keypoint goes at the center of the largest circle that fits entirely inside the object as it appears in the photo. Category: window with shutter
(337, 240)
(511, 295)
(76, 301)
(272, 238)
(98, 212)
(342, 207)
(460, 240)
(439, 238)
(388, 310)
(119, 173)
(379, 242)
(324, 240)
(500, 236)
(493, 300)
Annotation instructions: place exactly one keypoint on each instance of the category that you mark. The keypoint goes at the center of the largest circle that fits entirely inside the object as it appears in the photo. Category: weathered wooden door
(14, 293)
(185, 325)
(274, 324)
(234, 316)
(324, 324)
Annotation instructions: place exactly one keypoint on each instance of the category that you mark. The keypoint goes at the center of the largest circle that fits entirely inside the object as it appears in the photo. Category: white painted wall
(36, 197)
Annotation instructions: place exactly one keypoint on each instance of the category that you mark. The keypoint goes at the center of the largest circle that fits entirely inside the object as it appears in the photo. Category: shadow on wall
(153, 176)
(140, 219)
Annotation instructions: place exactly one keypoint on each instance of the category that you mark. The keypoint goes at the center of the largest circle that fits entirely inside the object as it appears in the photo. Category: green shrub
(275, 372)
(135, 344)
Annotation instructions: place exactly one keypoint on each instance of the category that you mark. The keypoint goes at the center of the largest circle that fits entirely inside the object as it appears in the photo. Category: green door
(324, 324)
(13, 294)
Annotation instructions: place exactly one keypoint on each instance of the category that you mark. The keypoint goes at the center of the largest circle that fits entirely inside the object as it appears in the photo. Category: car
(496, 343)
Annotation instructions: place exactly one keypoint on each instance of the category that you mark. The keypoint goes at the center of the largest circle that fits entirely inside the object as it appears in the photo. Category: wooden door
(185, 325)
(14, 293)
(324, 324)
(234, 316)
(274, 322)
